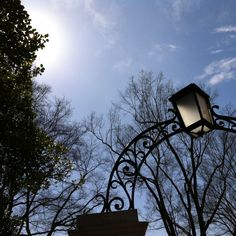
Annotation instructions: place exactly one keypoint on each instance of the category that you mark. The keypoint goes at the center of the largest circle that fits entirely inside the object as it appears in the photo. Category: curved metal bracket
(226, 123)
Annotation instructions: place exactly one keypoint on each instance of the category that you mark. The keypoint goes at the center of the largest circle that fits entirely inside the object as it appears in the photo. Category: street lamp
(192, 107)
(194, 115)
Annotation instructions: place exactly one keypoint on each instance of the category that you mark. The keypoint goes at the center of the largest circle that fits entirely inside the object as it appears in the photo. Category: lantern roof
(188, 89)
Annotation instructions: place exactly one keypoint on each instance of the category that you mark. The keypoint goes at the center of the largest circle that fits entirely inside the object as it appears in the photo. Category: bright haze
(97, 45)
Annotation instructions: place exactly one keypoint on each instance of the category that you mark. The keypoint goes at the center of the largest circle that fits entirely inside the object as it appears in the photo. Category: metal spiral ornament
(120, 192)
(123, 178)
(226, 123)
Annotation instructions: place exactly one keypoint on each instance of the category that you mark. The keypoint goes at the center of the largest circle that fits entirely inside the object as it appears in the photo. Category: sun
(47, 23)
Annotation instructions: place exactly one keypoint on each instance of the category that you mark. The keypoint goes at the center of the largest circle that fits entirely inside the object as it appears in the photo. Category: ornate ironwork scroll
(124, 176)
(226, 123)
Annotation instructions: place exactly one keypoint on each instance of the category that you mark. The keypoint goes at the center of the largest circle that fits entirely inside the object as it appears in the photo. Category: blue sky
(97, 45)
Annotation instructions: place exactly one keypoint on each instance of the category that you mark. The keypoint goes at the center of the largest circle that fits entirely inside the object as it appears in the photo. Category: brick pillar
(119, 223)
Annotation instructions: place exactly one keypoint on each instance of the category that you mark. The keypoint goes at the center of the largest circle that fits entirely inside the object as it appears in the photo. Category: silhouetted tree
(76, 177)
(187, 180)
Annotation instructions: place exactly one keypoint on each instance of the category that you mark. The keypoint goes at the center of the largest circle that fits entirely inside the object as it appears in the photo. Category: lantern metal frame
(194, 90)
(122, 183)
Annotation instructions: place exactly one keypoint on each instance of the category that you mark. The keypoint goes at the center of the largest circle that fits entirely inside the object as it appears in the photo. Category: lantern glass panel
(204, 108)
(188, 109)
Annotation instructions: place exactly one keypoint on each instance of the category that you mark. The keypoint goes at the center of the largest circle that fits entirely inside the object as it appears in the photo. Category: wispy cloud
(123, 64)
(226, 29)
(161, 49)
(219, 71)
(99, 19)
(217, 51)
(226, 40)
(164, 47)
(181, 6)
(102, 21)
(66, 4)
(177, 8)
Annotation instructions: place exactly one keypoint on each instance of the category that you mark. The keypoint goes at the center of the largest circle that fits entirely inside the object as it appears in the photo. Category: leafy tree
(45, 159)
(188, 181)
(21, 142)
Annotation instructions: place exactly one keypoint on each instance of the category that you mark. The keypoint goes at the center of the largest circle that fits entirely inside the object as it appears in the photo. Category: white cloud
(177, 8)
(99, 19)
(123, 64)
(161, 49)
(165, 47)
(181, 6)
(219, 71)
(217, 51)
(66, 4)
(226, 29)
(172, 47)
(103, 21)
(227, 41)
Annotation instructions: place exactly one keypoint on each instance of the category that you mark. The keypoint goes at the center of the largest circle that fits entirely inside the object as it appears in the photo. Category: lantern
(193, 109)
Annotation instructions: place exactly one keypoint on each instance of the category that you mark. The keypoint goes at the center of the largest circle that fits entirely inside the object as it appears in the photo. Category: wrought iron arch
(127, 168)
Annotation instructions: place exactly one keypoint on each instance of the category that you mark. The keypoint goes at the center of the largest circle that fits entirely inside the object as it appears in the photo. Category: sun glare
(53, 52)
